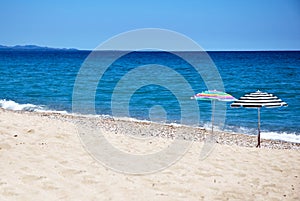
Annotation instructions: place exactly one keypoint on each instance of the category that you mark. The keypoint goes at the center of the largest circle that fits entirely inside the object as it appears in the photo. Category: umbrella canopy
(258, 100)
(213, 95)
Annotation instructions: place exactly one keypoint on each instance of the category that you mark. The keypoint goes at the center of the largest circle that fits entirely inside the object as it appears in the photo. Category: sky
(213, 24)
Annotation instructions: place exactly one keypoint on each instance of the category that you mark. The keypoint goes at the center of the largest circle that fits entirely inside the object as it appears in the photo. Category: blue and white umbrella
(258, 100)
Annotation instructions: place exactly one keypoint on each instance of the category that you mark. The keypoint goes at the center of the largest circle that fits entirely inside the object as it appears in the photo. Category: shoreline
(196, 134)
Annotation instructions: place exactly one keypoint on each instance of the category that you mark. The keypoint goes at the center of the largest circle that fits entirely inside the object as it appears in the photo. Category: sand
(43, 158)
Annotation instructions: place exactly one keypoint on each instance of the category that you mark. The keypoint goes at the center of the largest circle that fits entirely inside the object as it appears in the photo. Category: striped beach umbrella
(258, 100)
(213, 96)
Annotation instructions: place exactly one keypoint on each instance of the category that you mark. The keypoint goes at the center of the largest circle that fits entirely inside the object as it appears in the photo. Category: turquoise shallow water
(35, 81)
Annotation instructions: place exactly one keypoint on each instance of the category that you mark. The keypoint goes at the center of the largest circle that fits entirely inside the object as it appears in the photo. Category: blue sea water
(44, 80)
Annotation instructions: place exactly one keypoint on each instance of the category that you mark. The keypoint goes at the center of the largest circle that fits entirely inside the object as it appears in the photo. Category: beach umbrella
(258, 100)
(213, 96)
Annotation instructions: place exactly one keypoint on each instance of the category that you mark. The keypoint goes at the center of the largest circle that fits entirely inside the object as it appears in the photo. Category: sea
(141, 86)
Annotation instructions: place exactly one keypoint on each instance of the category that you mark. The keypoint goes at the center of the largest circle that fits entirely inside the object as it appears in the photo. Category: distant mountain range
(34, 48)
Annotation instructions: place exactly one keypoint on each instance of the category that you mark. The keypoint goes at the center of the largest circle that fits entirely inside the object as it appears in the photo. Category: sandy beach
(42, 158)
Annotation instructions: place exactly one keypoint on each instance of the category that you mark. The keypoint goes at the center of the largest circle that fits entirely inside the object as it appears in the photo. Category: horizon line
(208, 50)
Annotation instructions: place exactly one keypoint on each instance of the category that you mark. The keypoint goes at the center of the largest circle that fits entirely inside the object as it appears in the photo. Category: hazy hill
(33, 47)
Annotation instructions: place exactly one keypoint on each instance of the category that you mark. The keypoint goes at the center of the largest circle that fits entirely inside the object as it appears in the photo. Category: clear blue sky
(214, 24)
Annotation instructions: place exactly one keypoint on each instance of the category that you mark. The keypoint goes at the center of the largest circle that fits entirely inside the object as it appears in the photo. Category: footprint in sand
(30, 131)
(31, 178)
(49, 186)
(63, 162)
(71, 172)
(4, 147)
(9, 192)
(232, 195)
(89, 180)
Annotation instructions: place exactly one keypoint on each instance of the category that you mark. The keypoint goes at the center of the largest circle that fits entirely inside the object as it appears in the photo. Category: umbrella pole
(258, 136)
(212, 116)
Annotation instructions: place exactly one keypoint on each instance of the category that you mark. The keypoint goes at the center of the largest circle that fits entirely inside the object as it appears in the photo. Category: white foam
(207, 126)
(242, 130)
(12, 105)
(283, 136)
(289, 137)
(131, 119)
(52, 111)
